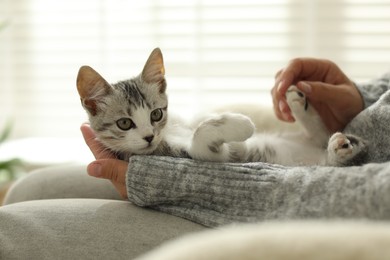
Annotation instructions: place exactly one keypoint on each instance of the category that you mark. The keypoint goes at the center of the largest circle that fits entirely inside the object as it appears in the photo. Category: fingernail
(305, 87)
(282, 106)
(283, 109)
(280, 85)
(95, 169)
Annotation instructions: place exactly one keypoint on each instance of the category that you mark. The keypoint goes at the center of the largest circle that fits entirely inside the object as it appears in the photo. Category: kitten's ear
(154, 70)
(92, 88)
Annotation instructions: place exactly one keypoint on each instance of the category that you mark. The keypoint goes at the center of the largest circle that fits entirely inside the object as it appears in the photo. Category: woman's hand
(106, 165)
(328, 89)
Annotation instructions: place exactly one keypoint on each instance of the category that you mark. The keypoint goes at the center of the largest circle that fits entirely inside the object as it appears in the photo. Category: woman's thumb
(315, 90)
(110, 169)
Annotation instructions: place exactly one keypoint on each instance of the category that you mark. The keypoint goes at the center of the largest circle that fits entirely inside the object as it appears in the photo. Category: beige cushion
(288, 240)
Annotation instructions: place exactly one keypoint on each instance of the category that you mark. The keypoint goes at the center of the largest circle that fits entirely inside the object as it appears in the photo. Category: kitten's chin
(147, 150)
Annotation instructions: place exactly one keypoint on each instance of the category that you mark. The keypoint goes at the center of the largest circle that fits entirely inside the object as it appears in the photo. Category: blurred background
(216, 52)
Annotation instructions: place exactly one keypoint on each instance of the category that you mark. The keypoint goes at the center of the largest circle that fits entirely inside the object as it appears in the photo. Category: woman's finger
(98, 150)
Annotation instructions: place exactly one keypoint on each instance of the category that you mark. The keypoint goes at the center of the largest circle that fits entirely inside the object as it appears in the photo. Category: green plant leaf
(10, 164)
(10, 168)
(6, 132)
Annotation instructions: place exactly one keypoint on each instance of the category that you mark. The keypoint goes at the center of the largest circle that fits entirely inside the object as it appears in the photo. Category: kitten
(131, 117)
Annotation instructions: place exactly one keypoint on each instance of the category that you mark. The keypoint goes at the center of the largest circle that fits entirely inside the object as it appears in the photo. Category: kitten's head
(128, 117)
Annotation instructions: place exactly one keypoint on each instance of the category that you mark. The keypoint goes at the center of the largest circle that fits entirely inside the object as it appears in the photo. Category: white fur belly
(286, 151)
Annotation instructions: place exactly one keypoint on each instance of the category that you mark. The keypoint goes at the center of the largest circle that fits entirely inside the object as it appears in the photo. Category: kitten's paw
(346, 150)
(340, 145)
(214, 137)
(296, 100)
(228, 127)
(307, 116)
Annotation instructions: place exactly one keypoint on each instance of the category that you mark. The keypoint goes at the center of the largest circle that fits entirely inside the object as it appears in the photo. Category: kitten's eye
(156, 115)
(125, 124)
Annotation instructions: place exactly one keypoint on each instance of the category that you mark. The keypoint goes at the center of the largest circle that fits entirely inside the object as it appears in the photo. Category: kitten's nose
(149, 138)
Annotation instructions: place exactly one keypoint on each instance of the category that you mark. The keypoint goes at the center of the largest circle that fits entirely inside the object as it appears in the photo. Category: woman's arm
(214, 194)
(372, 90)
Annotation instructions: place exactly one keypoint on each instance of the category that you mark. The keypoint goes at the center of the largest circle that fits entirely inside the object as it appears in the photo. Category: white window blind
(216, 51)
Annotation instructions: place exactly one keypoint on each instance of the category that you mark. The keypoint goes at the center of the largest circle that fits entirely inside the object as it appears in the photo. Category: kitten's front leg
(307, 116)
(221, 138)
(346, 150)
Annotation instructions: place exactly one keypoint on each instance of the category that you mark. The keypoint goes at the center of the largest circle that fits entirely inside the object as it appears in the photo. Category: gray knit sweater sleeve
(214, 194)
(372, 90)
